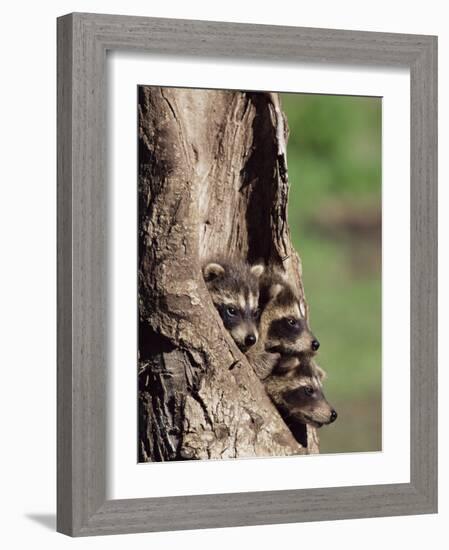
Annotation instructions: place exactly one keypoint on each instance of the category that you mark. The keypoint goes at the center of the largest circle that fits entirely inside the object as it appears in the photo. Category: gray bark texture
(212, 180)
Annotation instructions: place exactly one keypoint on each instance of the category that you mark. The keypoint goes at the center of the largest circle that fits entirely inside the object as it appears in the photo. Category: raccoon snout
(333, 416)
(315, 345)
(250, 340)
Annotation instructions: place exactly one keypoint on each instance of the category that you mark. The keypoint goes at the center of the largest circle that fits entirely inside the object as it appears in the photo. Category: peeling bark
(212, 180)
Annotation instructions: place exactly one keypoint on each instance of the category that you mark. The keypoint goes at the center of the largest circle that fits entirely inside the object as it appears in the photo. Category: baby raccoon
(282, 358)
(234, 289)
(296, 390)
(284, 328)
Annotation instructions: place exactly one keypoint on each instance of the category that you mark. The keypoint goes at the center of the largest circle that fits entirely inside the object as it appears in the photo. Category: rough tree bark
(212, 180)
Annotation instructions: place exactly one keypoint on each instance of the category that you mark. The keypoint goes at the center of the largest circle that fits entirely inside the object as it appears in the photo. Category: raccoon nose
(250, 340)
(315, 345)
(334, 416)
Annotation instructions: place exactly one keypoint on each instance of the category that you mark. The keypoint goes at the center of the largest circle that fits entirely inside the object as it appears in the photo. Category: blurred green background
(334, 161)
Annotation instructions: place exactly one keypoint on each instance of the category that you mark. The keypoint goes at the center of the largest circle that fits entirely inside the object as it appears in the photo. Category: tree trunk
(212, 180)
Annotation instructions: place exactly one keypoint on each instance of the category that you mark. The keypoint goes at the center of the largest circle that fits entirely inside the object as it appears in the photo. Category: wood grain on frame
(83, 40)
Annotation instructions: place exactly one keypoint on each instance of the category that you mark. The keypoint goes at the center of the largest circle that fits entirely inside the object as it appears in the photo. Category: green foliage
(334, 145)
(334, 157)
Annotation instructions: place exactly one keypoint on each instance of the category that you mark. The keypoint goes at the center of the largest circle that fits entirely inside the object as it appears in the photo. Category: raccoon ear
(275, 290)
(212, 271)
(257, 270)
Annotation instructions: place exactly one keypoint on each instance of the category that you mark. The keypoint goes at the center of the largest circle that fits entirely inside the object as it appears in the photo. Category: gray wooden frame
(83, 40)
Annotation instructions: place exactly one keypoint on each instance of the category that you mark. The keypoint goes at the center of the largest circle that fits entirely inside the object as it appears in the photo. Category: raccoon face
(288, 331)
(234, 289)
(240, 319)
(284, 325)
(306, 403)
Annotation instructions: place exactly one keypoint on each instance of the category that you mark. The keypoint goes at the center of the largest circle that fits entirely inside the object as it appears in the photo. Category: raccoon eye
(292, 321)
(231, 310)
(308, 390)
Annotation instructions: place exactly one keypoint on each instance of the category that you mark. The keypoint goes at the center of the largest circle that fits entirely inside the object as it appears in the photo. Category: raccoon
(282, 358)
(296, 390)
(283, 327)
(294, 384)
(234, 289)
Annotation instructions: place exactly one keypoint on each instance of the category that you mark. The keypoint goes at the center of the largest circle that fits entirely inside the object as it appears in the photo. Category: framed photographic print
(247, 284)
